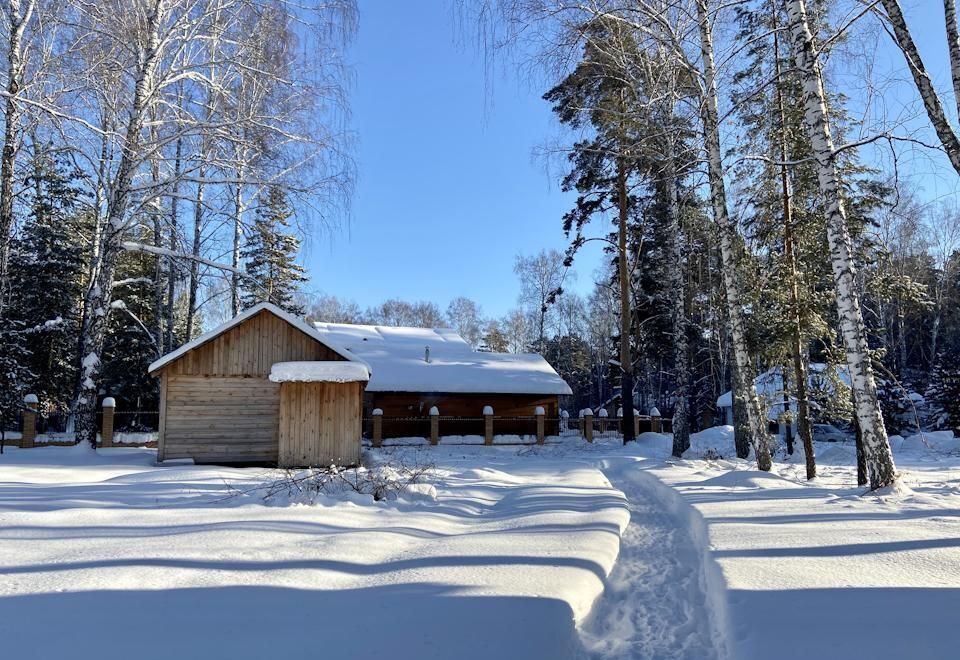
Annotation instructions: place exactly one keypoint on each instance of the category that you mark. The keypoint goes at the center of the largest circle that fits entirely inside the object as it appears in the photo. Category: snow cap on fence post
(434, 425)
(488, 425)
(620, 411)
(564, 414)
(602, 412)
(377, 415)
(109, 402)
(539, 411)
(654, 412)
(29, 431)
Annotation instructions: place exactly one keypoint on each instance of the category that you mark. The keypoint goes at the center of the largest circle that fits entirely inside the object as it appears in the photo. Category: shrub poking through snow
(382, 481)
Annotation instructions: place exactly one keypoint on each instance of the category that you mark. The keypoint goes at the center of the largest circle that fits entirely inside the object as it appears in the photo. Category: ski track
(653, 605)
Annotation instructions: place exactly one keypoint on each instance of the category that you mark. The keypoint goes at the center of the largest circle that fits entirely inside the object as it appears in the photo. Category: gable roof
(299, 324)
(769, 386)
(398, 359)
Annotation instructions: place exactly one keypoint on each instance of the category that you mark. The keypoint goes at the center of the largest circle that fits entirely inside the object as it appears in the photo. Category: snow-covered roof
(301, 325)
(319, 372)
(401, 362)
(769, 386)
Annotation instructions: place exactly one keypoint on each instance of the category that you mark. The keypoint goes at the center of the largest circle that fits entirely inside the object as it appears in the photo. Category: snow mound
(750, 479)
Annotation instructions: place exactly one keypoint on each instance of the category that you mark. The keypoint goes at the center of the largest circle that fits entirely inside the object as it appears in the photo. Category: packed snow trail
(653, 605)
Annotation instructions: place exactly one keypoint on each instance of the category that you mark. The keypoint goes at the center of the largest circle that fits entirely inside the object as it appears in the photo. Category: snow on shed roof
(319, 372)
(399, 362)
(301, 325)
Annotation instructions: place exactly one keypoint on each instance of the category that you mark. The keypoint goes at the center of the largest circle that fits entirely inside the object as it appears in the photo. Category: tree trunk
(796, 331)
(741, 422)
(237, 239)
(195, 251)
(15, 67)
(623, 274)
(171, 264)
(678, 315)
(931, 100)
(879, 459)
(728, 246)
(108, 247)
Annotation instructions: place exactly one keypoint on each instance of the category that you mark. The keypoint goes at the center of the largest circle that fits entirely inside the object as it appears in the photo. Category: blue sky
(449, 191)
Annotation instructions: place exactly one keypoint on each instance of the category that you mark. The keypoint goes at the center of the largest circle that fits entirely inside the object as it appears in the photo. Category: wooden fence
(435, 426)
(117, 429)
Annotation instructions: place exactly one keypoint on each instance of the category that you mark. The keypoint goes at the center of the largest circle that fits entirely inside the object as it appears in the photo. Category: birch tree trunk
(238, 210)
(678, 315)
(18, 16)
(100, 290)
(194, 284)
(623, 272)
(876, 447)
(931, 100)
(953, 47)
(171, 264)
(743, 380)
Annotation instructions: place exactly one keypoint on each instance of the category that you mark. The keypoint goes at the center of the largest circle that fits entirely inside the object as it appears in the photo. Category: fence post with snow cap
(29, 435)
(539, 412)
(588, 424)
(106, 429)
(434, 425)
(602, 414)
(488, 425)
(636, 422)
(377, 415)
(655, 420)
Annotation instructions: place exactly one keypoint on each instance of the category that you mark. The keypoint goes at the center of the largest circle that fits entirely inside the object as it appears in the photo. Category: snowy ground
(516, 552)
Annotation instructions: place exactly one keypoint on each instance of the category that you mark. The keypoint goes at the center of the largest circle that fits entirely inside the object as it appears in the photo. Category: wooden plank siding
(320, 424)
(217, 419)
(418, 404)
(250, 349)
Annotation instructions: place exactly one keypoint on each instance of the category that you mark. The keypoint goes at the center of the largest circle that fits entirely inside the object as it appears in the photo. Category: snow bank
(319, 372)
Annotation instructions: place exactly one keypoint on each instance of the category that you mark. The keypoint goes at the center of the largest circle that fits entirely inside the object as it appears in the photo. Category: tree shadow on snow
(406, 621)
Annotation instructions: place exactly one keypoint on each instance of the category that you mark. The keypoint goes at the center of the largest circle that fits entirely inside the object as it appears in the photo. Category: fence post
(539, 412)
(602, 414)
(377, 427)
(434, 425)
(29, 435)
(588, 424)
(636, 423)
(655, 420)
(488, 425)
(106, 429)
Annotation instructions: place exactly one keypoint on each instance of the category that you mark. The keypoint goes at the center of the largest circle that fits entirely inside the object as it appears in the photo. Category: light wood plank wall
(320, 424)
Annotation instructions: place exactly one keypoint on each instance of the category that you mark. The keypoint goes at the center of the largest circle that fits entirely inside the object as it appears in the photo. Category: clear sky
(449, 191)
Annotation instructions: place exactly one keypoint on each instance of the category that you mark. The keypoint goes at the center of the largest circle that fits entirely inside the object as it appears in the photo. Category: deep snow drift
(560, 551)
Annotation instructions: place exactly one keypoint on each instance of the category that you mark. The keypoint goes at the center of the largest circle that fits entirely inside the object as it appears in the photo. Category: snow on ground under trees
(563, 551)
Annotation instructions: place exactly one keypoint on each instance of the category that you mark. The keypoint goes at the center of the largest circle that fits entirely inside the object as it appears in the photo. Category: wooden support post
(636, 423)
(588, 425)
(106, 429)
(602, 414)
(434, 426)
(29, 435)
(655, 420)
(564, 422)
(487, 425)
(540, 413)
(377, 427)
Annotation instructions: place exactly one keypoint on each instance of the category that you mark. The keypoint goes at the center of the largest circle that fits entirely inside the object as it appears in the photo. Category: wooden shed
(232, 396)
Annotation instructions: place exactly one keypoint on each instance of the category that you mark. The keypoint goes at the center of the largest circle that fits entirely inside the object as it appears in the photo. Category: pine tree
(46, 276)
(272, 273)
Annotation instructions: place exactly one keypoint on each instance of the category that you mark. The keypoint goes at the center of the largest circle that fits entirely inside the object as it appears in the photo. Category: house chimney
(426, 354)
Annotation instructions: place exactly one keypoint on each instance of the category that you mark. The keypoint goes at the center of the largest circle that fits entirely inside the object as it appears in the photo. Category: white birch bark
(931, 100)
(953, 46)
(678, 315)
(728, 243)
(879, 460)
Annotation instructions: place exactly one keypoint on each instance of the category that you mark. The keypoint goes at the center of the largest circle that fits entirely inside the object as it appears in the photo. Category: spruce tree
(272, 273)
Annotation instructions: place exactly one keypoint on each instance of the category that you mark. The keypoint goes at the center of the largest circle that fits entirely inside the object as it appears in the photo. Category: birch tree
(876, 447)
